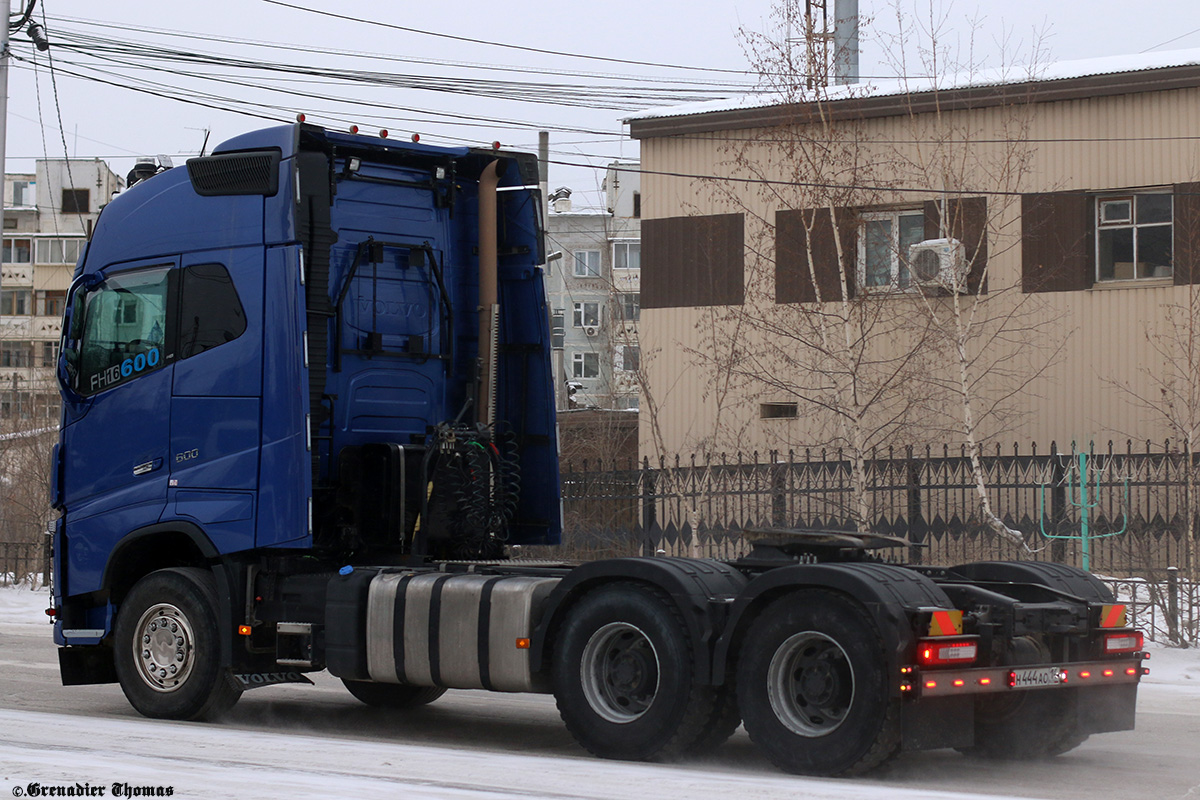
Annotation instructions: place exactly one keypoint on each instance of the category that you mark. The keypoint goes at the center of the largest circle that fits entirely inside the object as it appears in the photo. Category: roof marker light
(300, 117)
(383, 134)
(496, 145)
(354, 129)
(416, 137)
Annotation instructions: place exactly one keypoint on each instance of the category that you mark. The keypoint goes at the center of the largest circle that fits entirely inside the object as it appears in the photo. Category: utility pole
(7, 7)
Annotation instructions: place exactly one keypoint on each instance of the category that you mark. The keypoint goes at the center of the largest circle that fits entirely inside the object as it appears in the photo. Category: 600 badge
(139, 363)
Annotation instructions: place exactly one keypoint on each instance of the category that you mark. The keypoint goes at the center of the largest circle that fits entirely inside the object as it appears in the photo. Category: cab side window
(210, 312)
(125, 330)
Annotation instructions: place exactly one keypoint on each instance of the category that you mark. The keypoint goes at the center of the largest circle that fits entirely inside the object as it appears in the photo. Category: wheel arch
(701, 591)
(168, 545)
(886, 592)
(155, 547)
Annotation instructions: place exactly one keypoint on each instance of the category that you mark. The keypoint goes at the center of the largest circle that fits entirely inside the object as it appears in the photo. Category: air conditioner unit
(938, 264)
(590, 330)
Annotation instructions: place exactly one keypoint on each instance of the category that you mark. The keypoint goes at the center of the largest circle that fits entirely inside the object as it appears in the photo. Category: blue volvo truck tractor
(308, 409)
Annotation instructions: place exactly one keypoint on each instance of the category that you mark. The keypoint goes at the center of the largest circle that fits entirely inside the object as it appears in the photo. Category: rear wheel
(393, 695)
(167, 649)
(812, 686)
(624, 677)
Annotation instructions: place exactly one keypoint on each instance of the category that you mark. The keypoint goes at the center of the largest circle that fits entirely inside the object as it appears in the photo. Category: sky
(451, 90)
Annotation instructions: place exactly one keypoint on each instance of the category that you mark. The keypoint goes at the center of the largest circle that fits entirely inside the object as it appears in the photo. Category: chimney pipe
(845, 41)
(489, 293)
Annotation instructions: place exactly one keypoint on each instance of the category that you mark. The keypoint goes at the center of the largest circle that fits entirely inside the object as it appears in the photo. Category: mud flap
(936, 722)
(1106, 708)
(86, 664)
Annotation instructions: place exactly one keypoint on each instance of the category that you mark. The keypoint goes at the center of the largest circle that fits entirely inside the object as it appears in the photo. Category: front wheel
(812, 686)
(167, 650)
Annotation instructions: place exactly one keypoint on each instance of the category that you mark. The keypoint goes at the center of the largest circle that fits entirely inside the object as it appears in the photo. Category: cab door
(115, 436)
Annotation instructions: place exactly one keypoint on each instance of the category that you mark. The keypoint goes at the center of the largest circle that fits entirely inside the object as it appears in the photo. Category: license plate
(1035, 677)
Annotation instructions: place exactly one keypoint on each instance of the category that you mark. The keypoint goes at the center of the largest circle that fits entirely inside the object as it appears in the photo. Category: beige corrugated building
(1074, 196)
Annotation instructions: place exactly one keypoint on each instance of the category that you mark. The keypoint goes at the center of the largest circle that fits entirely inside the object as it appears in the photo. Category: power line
(406, 59)
(523, 48)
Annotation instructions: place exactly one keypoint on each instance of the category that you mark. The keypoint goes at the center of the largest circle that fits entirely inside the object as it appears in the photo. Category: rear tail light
(1124, 642)
(940, 652)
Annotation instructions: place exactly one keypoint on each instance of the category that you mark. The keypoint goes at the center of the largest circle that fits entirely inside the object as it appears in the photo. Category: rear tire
(812, 687)
(393, 695)
(167, 648)
(624, 676)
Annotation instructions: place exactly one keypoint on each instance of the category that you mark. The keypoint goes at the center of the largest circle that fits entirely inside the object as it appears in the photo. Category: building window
(46, 405)
(75, 201)
(637, 212)
(587, 314)
(627, 402)
(15, 302)
(883, 247)
(629, 306)
(627, 255)
(22, 193)
(50, 303)
(16, 251)
(58, 251)
(585, 365)
(629, 358)
(778, 410)
(558, 328)
(49, 354)
(1134, 237)
(587, 263)
(16, 354)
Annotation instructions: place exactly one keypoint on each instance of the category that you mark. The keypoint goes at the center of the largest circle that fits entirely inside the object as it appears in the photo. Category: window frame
(898, 260)
(626, 244)
(582, 269)
(76, 195)
(1100, 226)
(579, 364)
(579, 316)
(625, 306)
(9, 243)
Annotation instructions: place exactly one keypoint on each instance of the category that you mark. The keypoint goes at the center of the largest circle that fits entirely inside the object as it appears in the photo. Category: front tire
(167, 648)
(624, 677)
(812, 687)
(393, 695)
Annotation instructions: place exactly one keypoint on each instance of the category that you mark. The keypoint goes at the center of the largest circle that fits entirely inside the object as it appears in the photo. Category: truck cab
(276, 350)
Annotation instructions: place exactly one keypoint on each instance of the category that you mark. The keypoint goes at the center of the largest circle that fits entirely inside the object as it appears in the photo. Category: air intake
(252, 172)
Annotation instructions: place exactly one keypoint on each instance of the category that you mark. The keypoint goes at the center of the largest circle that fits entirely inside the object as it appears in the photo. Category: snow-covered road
(300, 742)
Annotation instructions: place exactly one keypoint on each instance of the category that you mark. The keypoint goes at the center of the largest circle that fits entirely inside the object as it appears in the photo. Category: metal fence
(23, 562)
(1119, 511)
